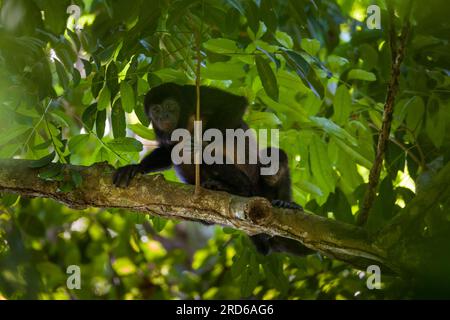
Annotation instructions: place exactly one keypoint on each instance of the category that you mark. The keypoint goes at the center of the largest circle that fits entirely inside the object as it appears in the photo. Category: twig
(197, 114)
(383, 138)
(403, 147)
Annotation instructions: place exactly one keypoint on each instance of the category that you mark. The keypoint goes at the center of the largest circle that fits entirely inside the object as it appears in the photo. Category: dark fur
(220, 110)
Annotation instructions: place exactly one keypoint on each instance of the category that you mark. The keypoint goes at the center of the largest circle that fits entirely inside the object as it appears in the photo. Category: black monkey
(171, 106)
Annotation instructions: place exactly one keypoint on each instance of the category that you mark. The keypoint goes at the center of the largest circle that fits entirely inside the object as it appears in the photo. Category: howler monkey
(171, 106)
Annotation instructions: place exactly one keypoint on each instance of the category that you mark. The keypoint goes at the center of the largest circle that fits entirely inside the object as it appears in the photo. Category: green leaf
(87, 67)
(270, 55)
(415, 110)
(13, 133)
(159, 223)
(221, 45)
(436, 120)
(78, 142)
(252, 15)
(166, 75)
(223, 71)
(127, 96)
(104, 154)
(267, 76)
(125, 144)
(353, 153)
(342, 105)
(284, 39)
(89, 116)
(369, 56)
(228, 230)
(142, 131)
(231, 21)
(339, 205)
(249, 278)
(320, 166)
(31, 224)
(359, 74)
(55, 15)
(59, 119)
(237, 5)
(76, 77)
(97, 83)
(52, 172)
(312, 46)
(333, 129)
(51, 273)
(104, 98)
(239, 263)
(309, 187)
(141, 115)
(118, 120)
(305, 72)
(42, 162)
(336, 62)
(263, 119)
(112, 79)
(273, 269)
(299, 62)
(9, 199)
(100, 123)
(62, 75)
(268, 15)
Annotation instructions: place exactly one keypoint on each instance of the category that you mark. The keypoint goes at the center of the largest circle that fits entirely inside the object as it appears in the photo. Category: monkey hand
(123, 176)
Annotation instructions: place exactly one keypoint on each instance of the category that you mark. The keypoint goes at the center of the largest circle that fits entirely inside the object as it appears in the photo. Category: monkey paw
(123, 176)
(286, 204)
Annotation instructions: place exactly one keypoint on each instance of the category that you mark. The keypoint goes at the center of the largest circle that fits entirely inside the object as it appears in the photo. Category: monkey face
(165, 115)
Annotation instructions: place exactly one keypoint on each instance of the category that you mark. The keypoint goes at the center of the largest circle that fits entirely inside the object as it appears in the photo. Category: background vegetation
(72, 88)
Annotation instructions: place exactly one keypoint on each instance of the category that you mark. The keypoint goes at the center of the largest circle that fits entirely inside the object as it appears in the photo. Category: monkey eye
(170, 104)
(156, 108)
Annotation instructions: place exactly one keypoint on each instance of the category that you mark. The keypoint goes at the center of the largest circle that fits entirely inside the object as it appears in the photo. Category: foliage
(72, 90)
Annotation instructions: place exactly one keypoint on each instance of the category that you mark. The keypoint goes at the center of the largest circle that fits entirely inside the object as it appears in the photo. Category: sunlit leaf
(104, 99)
(125, 144)
(43, 161)
(127, 96)
(142, 131)
(358, 74)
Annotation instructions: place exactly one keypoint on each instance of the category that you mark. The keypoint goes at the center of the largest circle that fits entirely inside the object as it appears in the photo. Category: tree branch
(152, 194)
(398, 54)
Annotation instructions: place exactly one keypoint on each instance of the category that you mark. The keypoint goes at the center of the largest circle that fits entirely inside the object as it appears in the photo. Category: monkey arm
(158, 160)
